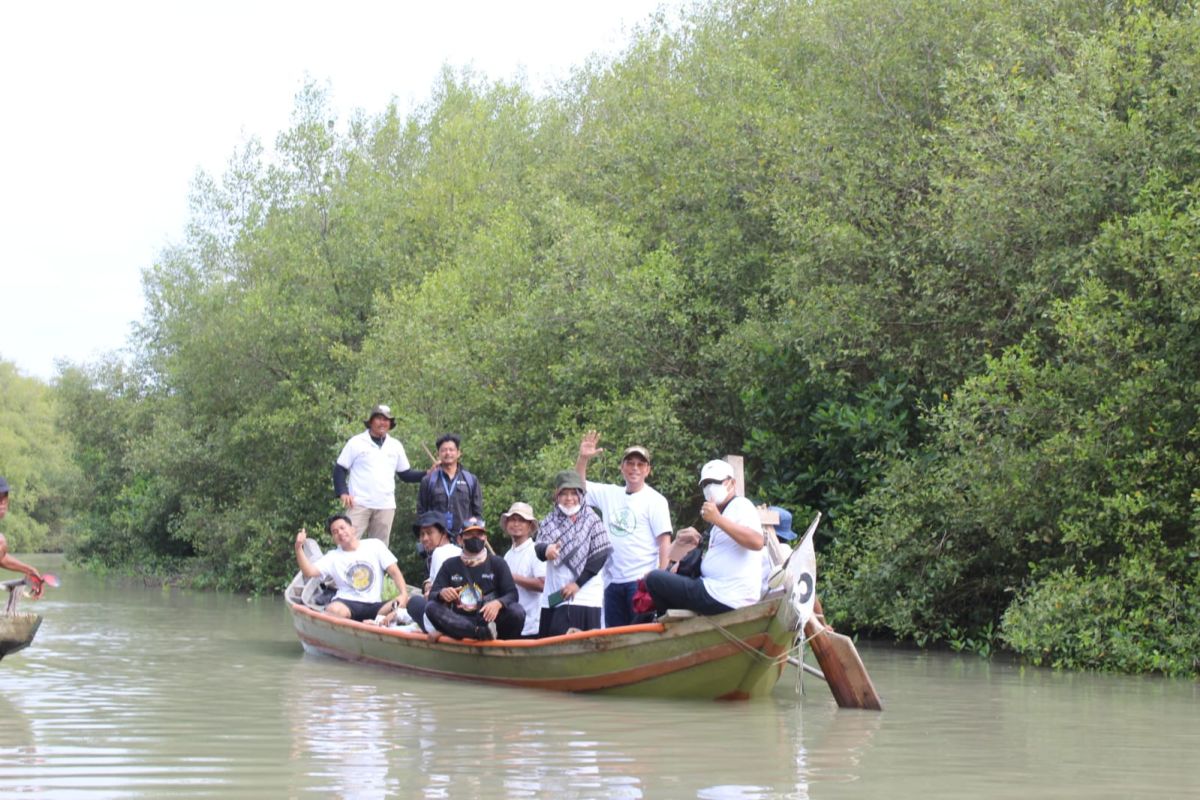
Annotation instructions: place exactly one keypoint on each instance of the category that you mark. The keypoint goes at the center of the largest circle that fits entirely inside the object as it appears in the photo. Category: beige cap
(639, 450)
(522, 510)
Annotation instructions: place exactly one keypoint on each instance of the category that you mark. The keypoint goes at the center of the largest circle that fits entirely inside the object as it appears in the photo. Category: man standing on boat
(731, 571)
(11, 562)
(639, 526)
(364, 476)
(449, 488)
(357, 568)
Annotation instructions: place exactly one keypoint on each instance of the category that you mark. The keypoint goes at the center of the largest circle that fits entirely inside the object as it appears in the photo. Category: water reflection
(365, 732)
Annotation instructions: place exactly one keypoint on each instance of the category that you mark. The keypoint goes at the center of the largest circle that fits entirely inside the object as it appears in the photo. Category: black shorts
(359, 611)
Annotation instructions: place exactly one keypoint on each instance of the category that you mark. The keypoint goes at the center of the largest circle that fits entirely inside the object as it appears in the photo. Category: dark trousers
(471, 625)
(618, 604)
(565, 616)
(416, 609)
(676, 591)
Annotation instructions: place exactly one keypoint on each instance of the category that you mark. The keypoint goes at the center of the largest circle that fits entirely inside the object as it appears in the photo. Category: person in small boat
(436, 543)
(449, 488)
(638, 521)
(364, 476)
(528, 571)
(575, 546)
(473, 595)
(356, 567)
(732, 568)
(11, 562)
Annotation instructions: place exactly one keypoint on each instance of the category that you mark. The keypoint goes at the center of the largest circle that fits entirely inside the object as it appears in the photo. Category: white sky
(108, 108)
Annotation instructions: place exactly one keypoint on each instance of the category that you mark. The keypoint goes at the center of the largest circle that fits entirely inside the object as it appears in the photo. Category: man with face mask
(473, 595)
(731, 571)
(574, 544)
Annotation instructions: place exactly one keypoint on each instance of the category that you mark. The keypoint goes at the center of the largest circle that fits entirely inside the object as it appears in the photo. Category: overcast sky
(110, 108)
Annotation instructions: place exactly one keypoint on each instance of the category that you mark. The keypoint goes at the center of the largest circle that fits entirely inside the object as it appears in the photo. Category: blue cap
(784, 529)
(3, 486)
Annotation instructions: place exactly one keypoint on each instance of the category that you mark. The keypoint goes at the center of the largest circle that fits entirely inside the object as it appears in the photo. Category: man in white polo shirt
(638, 522)
(364, 476)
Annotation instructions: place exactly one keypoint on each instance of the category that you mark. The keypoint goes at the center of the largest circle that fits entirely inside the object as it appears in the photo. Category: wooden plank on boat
(842, 667)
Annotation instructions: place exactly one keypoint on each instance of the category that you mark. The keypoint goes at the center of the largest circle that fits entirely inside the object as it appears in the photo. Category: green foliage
(1137, 620)
(35, 459)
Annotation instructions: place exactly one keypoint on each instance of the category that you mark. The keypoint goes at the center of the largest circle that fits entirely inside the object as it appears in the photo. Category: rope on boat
(780, 659)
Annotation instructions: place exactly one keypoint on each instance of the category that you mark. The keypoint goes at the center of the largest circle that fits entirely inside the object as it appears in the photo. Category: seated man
(473, 595)
(435, 542)
(731, 571)
(356, 567)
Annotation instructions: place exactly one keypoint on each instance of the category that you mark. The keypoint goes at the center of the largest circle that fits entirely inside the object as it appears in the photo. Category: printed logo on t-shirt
(360, 576)
(469, 597)
(623, 523)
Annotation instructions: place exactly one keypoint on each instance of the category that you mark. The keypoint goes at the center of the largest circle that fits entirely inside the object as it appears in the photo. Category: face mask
(473, 544)
(570, 511)
(714, 492)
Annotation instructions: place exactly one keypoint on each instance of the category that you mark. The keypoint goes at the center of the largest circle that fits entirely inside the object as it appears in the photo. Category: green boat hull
(736, 655)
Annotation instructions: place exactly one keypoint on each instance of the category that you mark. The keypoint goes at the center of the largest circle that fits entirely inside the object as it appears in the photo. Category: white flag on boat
(804, 590)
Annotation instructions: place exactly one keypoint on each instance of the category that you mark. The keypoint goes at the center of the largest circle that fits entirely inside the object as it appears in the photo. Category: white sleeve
(660, 517)
(346, 458)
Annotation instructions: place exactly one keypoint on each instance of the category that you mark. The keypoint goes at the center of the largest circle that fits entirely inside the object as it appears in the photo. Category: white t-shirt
(634, 522)
(373, 469)
(523, 561)
(591, 594)
(358, 573)
(439, 556)
(732, 574)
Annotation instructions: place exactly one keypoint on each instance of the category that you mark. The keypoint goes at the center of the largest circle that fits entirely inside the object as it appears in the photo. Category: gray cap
(3, 486)
(568, 479)
(381, 411)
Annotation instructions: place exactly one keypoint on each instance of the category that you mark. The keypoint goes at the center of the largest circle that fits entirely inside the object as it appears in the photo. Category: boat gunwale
(601, 634)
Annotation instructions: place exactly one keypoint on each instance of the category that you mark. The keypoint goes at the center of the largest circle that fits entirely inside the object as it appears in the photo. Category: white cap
(716, 470)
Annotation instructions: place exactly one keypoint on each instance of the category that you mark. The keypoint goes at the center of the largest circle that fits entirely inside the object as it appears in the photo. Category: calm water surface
(139, 692)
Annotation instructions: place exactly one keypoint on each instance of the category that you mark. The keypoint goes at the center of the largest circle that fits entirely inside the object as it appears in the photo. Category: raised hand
(588, 448)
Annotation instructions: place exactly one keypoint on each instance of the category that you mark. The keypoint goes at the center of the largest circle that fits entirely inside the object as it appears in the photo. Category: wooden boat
(737, 655)
(16, 629)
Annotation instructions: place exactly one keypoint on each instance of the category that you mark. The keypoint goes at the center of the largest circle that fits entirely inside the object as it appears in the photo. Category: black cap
(430, 518)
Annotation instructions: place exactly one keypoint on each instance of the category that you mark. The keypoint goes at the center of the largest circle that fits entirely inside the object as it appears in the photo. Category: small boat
(737, 655)
(17, 629)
